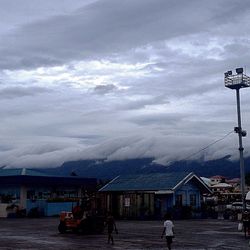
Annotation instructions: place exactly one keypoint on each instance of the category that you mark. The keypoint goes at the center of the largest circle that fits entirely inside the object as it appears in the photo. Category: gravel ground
(190, 234)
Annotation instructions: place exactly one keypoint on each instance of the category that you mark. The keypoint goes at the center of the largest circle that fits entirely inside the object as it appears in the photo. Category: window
(192, 200)
(178, 201)
(127, 202)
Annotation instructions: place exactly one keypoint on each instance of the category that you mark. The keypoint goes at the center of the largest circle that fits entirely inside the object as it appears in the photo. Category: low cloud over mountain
(102, 79)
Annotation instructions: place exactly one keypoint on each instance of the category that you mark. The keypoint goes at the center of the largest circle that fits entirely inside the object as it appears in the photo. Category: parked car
(237, 205)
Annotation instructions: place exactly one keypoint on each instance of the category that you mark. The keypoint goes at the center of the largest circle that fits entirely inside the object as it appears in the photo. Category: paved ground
(25, 234)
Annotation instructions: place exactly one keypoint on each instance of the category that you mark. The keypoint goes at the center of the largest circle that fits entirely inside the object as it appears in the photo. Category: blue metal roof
(10, 172)
(21, 171)
(145, 182)
(38, 178)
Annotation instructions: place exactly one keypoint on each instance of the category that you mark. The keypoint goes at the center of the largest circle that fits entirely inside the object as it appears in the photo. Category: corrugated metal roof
(10, 172)
(21, 171)
(145, 182)
(38, 178)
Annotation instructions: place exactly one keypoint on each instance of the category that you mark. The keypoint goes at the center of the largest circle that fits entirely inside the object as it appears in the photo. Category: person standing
(110, 223)
(168, 230)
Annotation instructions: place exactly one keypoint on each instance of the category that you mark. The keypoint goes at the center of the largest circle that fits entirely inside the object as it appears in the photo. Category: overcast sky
(120, 79)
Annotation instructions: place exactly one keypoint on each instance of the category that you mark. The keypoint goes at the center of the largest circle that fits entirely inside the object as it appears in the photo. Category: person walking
(110, 223)
(168, 230)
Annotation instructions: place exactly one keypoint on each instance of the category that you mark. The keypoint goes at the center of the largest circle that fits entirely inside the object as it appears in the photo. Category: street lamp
(238, 81)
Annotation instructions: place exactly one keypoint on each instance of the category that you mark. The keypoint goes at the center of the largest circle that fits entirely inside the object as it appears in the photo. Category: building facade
(152, 195)
(29, 189)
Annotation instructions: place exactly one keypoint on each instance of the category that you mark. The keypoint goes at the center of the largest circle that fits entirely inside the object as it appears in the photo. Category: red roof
(234, 180)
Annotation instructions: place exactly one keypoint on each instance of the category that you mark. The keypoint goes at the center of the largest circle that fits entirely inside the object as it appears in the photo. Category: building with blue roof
(50, 194)
(152, 195)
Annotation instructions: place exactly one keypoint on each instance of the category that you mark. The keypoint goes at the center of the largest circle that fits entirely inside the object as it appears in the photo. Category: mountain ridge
(103, 169)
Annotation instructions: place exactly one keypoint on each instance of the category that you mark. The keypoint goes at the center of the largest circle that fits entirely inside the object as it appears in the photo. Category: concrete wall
(23, 197)
(3, 212)
(7, 210)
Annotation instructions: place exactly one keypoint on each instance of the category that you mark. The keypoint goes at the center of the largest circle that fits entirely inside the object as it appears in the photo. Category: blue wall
(187, 190)
(49, 208)
(54, 208)
(40, 204)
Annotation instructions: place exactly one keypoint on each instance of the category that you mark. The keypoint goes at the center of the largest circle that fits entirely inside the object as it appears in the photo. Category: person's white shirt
(168, 224)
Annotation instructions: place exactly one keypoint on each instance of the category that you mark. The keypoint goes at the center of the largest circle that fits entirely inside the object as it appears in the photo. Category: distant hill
(103, 169)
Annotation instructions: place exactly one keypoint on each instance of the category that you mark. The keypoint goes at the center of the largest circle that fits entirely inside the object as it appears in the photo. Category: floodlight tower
(238, 81)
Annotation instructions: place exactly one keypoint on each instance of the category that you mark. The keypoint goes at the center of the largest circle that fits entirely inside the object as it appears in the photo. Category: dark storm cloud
(16, 92)
(104, 89)
(119, 79)
(108, 27)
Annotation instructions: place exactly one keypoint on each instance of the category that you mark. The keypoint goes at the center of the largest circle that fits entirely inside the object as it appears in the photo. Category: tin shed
(152, 195)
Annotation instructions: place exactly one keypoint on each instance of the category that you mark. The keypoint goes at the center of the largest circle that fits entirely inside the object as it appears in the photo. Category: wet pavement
(42, 234)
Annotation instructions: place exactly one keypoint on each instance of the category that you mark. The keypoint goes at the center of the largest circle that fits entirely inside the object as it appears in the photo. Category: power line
(222, 138)
(209, 145)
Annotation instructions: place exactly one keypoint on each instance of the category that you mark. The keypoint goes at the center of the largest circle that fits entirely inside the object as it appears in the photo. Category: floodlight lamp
(244, 133)
(236, 129)
(230, 72)
(226, 74)
(239, 71)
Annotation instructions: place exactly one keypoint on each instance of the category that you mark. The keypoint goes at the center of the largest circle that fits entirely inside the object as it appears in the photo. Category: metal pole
(242, 170)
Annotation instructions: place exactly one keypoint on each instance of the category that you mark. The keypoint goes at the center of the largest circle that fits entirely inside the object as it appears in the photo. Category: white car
(237, 205)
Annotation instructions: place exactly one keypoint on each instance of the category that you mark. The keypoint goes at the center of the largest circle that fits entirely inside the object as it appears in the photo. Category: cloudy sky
(113, 79)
